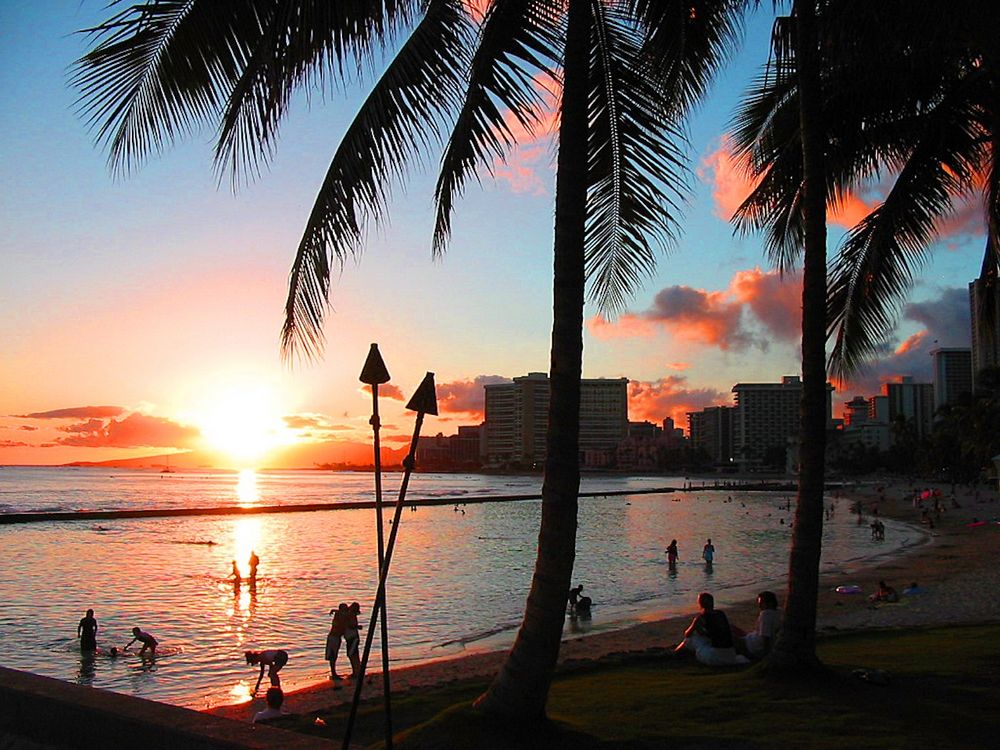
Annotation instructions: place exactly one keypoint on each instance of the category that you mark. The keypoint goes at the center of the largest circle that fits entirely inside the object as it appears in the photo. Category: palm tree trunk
(521, 688)
(795, 648)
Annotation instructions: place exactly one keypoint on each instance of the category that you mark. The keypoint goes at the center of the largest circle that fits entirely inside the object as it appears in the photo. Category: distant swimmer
(145, 639)
(86, 631)
(579, 604)
(273, 659)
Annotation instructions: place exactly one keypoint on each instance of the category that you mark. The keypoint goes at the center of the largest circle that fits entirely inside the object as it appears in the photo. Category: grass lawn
(942, 692)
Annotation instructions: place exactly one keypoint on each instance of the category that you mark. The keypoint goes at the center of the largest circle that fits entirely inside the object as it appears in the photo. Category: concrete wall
(40, 712)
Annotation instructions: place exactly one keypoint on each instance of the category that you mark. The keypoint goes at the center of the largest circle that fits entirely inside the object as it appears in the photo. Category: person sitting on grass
(758, 644)
(710, 637)
(274, 698)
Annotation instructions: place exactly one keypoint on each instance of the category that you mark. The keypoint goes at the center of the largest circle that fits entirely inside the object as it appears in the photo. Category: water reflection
(88, 668)
(246, 488)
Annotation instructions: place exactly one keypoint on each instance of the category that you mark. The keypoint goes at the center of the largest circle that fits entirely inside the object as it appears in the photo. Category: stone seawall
(40, 713)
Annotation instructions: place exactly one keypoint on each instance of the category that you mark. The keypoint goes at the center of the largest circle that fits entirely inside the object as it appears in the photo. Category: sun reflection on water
(246, 488)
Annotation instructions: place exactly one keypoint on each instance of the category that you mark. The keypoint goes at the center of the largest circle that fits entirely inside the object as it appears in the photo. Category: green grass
(942, 693)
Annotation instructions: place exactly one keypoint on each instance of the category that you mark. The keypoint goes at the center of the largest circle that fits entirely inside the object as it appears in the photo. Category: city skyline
(142, 313)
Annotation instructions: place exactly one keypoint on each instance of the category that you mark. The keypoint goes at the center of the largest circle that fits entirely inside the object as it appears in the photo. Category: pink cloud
(717, 318)
(76, 412)
(467, 396)
(732, 183)
(386, 390)
(134, 431)
(13, 444)
(670, 397)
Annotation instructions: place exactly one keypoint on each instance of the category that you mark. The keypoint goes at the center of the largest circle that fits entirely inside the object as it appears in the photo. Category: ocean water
(459, 576)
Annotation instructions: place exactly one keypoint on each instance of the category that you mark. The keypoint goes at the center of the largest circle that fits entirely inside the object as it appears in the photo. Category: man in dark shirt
(710, 636)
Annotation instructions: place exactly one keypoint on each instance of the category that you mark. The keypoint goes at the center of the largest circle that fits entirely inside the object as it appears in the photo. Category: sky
(140, 315)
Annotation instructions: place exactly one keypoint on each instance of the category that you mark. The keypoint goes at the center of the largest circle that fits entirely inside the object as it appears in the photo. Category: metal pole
(373, 373)
(424, 401)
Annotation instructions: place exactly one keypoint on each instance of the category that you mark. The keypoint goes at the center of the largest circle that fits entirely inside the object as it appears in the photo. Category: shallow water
(458, 580)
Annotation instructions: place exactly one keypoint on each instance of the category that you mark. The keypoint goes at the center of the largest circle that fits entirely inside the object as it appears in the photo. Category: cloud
(13, 444)
(670, 397)
(730, 179)
(775, 299)
(467, 396)
(732, 183)
(679, 366)
(91, 425)
(27, 427)
(722, 319)
(946, 323)
(77, 412)
(387, 390)
(521, 168)
(134, 431)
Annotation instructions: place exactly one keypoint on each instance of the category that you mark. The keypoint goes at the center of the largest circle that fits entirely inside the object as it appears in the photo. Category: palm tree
(628, 71)
(925, 113)
(905, 88)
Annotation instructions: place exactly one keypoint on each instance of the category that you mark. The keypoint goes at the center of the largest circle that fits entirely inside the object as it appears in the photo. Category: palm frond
(875, 267)
(517, 40)
(159, 70)
(406, 111)
(301, 40)
(635, 162)
(687, 41)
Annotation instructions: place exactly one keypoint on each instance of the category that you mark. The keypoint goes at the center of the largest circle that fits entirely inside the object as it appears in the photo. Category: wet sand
(957, 569)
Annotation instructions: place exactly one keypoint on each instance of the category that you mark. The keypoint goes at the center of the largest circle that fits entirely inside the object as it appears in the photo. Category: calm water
(458, 580)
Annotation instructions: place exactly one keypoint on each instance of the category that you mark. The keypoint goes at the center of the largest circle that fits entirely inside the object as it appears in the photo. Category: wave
(482, 635)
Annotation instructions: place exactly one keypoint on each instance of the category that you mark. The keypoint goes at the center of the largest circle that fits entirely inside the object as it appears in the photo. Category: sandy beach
(956, 569)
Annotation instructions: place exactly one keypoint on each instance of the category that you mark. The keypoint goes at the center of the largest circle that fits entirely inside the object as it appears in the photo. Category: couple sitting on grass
(717, 644)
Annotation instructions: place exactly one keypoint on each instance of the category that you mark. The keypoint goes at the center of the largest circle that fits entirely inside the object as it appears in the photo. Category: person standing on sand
(352, 637)
(672, 554)
(335, 636)
(708, 553)
(86, 631)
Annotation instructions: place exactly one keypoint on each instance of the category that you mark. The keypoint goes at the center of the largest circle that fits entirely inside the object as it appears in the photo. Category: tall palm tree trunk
(795, 648)
(522, 686)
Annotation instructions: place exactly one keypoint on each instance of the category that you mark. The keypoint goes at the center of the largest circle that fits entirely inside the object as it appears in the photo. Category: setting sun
(244, 423)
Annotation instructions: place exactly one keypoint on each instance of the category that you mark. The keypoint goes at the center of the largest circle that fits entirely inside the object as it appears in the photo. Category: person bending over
(147, 641)
(273, 660)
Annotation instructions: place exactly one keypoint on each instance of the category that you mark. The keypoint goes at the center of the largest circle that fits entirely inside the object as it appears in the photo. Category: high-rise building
(985, 343)
(766, 416)
(952, 375)
(912, 401)
(711, 430)
(517, 417)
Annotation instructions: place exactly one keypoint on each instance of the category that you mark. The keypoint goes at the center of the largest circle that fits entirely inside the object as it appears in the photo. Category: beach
(955, 569)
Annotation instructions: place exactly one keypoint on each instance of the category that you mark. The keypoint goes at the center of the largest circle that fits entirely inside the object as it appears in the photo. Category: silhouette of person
(352, 637)
(254, 562)
(579, 604)
(235, 575)
(335, 636)
(672, 554)
(273, 659)
(86, 631)
(147, 641)
(708, 553)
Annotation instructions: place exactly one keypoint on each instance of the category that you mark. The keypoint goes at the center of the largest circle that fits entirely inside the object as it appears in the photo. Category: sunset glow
(243, 422)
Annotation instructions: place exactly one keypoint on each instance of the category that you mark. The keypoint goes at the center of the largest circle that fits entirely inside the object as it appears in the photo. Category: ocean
(459, 578)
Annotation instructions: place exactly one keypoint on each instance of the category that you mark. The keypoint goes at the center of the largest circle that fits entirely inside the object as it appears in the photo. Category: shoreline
(952, 563)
